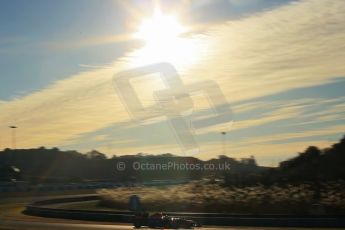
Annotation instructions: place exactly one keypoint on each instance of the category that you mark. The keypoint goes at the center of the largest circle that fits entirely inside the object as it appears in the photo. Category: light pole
(224, 139)
(13, 136)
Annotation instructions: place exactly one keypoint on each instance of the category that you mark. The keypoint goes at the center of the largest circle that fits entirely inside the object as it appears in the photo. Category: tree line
(44, 165)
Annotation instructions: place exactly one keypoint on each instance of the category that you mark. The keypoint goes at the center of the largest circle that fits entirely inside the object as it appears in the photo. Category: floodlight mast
(224, 142)
(14, 136)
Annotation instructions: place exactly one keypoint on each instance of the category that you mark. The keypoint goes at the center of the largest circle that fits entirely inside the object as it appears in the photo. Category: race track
(21, 225)
(61, 226)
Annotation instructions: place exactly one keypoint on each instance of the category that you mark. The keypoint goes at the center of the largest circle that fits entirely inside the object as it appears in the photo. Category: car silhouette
(160, 220)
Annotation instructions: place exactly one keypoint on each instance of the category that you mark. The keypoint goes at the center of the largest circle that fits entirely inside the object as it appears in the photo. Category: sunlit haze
(279, 64)
(160, 29)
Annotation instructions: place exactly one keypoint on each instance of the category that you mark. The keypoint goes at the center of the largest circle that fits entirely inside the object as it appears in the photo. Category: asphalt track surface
(57, 226)
(21, 225)
(19, 222)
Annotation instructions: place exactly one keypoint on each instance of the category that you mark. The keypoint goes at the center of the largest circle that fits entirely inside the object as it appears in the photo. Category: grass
(327, 198)
(83, 205)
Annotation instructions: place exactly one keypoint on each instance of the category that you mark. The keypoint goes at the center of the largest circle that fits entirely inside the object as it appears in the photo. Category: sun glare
(165, 41)
(160, 29)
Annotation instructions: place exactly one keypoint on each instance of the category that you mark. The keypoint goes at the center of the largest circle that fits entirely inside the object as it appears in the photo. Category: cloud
(300, 44)
(279, 114)
(270, 139)
(54, 115)
(86, 42)
(250, 106)
(331, 113)
(293, 46)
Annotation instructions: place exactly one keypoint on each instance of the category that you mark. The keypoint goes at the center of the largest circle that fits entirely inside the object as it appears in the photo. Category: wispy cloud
(279, 114)
(297, 45)
(82, 103)
(293, 46)
(86, 42)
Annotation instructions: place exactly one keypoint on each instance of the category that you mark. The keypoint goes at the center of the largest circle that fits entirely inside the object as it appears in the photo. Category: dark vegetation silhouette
(53, 165)
(313, 165)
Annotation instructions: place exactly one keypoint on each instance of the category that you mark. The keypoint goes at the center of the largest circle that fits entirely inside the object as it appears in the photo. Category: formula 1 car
(159, 220)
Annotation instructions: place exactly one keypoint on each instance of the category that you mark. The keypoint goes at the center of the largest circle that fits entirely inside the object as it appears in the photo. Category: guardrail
(40, 209)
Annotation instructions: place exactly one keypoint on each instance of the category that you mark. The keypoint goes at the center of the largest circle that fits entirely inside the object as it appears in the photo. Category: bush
(258, 199)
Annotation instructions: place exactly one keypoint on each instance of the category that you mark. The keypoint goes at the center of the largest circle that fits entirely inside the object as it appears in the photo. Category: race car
(160, 220)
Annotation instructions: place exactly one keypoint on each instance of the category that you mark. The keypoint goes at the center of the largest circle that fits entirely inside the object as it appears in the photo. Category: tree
(94, 154)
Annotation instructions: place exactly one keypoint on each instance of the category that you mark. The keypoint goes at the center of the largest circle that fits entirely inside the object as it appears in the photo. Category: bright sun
(159, 29)
(164, 42)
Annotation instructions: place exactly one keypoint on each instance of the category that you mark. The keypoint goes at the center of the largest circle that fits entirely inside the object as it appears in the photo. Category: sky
(278, 63)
